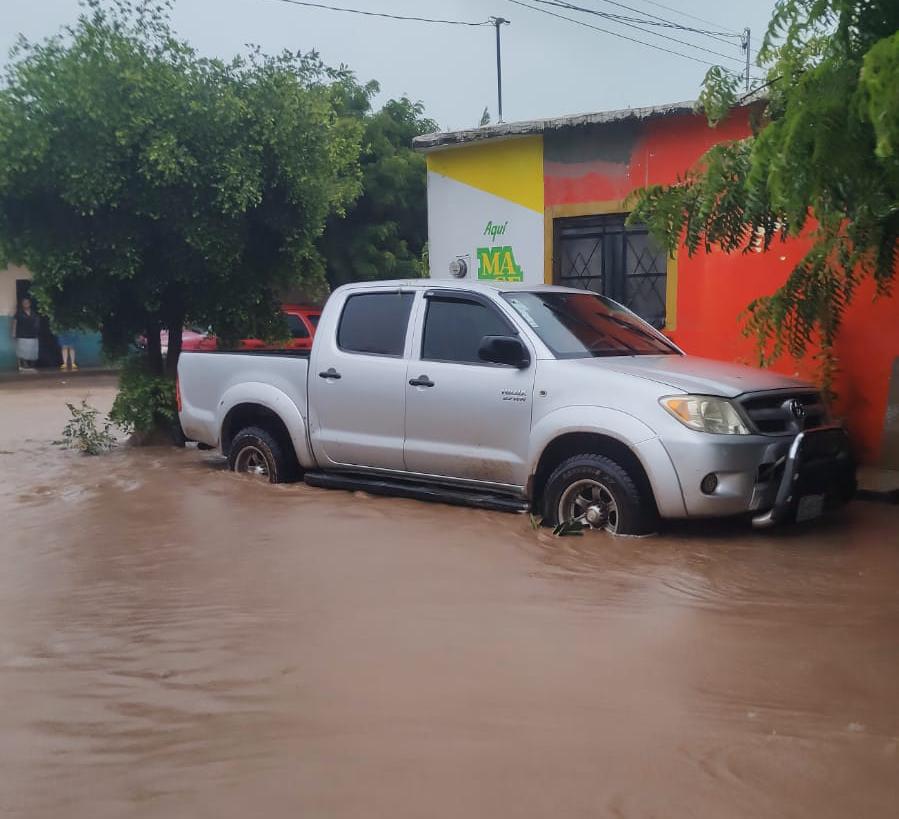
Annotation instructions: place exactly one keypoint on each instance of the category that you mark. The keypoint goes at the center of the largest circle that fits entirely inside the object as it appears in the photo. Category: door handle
(329, 373)
(421, 381)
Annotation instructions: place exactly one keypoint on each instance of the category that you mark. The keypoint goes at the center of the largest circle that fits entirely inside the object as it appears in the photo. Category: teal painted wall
(88, 351)
(7, 345)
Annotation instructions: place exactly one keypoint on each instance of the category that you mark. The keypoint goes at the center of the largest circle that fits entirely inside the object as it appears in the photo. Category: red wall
(715, 288)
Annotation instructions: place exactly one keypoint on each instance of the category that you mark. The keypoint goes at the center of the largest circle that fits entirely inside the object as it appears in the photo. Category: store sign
(497, 263)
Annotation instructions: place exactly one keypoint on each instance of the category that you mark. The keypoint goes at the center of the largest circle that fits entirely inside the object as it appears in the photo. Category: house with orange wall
(546, 201)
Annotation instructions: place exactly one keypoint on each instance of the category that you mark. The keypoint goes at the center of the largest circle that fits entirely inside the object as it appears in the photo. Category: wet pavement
(177, 641)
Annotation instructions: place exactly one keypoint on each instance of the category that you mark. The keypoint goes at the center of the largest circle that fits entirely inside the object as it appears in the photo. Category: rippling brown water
(176, 641)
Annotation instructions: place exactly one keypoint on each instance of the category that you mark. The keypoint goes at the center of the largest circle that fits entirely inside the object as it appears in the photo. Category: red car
(301, 322)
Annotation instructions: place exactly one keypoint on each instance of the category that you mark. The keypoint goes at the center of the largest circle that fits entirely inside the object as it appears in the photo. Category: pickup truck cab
(518, 397)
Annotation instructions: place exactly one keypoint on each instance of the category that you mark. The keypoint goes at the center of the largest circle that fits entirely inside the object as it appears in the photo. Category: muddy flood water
(177, 641)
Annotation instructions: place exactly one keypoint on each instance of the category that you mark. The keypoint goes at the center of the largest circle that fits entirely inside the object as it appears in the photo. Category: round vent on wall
(458, 268)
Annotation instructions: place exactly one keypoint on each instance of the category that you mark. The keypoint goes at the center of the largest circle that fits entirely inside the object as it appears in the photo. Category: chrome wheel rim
(251, 461)
(591, 503)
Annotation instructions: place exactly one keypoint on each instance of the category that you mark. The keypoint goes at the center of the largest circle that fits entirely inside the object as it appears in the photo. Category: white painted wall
(8, 288)
(457, 217)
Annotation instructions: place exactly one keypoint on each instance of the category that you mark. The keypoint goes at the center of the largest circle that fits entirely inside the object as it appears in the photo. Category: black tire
(249, 444)
(636, 514)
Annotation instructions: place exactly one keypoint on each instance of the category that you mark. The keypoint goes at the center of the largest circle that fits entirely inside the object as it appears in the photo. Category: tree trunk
(171, 363)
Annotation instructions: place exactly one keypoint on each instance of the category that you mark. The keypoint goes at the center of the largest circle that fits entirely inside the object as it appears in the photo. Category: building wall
(594, 170)
(589, 170)
(485, 207)
(7, 311)
(88, 350)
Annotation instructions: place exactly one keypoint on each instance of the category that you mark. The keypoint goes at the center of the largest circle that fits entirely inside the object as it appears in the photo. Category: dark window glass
(454, 330)
(580, 325)
(313, 319)
(604, 254)
(375, 323)
(296, 326)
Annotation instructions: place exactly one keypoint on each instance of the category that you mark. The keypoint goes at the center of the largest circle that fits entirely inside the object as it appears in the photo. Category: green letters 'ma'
(498, 264)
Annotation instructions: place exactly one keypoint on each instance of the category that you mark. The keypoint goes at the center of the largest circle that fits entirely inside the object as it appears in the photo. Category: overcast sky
(551, 67)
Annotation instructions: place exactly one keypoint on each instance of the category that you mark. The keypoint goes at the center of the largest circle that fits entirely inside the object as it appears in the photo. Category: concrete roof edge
(508, 130)
(429, 142)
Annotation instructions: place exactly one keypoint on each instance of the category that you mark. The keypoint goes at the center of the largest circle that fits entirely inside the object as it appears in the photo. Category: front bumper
(818, 473)
(756, 473)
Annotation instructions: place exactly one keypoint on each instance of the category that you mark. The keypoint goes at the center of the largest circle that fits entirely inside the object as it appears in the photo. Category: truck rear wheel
(600, 494)
(256, 452)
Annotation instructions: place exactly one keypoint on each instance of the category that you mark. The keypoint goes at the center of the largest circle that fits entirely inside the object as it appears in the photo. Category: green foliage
(570, 528)
(146, 186)
(822, 161)
(382, 236)
(145, 401)
(81, 431)
(719, 91)
(880, 84)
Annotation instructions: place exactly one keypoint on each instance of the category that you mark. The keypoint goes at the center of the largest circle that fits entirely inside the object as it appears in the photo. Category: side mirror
(508, 350)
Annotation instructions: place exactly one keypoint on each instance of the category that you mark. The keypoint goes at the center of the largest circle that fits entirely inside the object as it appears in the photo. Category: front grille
(784, 412)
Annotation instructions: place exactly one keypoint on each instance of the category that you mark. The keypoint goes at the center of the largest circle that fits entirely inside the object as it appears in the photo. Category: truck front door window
(375, 323)
(454, 329)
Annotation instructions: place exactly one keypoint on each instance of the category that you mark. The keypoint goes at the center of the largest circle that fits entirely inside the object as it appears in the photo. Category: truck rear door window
(375, 323)
(296, 326)
(454, 330)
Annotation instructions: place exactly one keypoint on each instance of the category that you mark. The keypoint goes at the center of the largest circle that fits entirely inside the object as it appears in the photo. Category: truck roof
(462, 284)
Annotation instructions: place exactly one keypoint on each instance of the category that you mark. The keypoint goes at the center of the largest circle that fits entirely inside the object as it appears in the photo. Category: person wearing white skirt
(26, 327)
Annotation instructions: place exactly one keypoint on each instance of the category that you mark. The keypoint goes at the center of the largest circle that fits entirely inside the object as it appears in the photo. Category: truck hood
(702, 376)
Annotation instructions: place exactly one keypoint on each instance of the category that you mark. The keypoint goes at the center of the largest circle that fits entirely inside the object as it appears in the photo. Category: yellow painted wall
(510, 168)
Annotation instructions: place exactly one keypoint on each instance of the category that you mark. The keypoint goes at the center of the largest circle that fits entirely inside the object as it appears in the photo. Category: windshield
(580, 325)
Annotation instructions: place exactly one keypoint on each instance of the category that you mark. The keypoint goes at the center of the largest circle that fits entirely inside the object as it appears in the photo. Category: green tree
(823, 160)
(382, 236)
(145, 186)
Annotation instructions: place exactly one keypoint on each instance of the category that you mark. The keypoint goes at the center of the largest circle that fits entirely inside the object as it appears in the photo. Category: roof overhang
(506, 130)
(509, 130)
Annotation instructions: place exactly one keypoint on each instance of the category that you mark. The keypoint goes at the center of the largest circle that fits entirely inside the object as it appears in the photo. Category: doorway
(49, 354)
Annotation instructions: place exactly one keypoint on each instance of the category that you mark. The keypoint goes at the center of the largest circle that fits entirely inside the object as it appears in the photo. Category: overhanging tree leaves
(146, 187)
(823, 160)
(382, 235)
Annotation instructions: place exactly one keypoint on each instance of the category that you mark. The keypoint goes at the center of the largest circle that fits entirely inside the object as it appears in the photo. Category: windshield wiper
(634, 328)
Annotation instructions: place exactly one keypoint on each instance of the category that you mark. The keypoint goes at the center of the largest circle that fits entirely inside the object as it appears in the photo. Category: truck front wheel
(600, 494)
(257, 452)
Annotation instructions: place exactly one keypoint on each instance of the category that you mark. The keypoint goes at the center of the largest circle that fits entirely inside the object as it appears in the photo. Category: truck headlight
(706, 413)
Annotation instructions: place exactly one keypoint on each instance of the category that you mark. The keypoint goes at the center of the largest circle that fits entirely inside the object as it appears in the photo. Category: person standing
(26, 327)
(66, 339)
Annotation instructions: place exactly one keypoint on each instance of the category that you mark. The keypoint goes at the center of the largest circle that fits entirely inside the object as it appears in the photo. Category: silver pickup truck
(519, 397)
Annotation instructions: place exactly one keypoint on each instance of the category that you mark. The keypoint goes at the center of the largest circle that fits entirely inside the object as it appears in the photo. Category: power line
(619, 19)
(682, 13)
(666, 20)
(384, 14)
(712, 35)
(613, 33)
(659, 22)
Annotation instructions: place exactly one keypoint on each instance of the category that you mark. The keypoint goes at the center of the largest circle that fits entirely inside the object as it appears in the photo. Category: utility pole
(497, 22)
(744, 42)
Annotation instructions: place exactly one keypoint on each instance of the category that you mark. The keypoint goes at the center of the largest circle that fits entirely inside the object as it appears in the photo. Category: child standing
(66, 339)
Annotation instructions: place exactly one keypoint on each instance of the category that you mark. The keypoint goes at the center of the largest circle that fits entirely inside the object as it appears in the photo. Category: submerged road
(178, 641)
